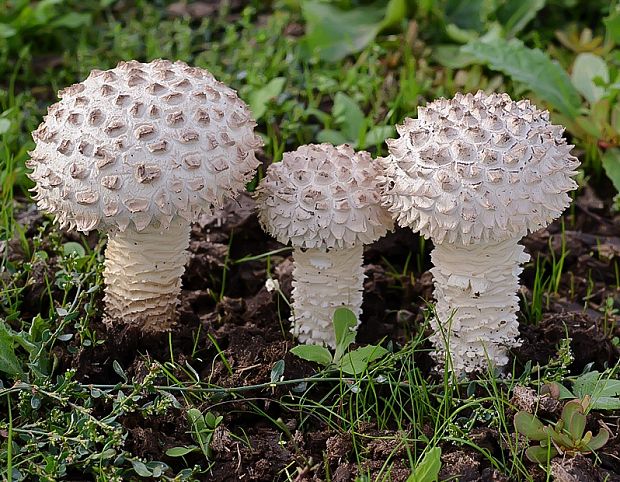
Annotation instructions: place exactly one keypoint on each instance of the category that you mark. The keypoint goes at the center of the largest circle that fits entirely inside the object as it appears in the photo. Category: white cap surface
(478, 168)
(142, 143)
(321, 196)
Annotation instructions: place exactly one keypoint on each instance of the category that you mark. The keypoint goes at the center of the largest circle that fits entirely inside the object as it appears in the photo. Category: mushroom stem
(322, 282)
(143, 275)
(476, 292)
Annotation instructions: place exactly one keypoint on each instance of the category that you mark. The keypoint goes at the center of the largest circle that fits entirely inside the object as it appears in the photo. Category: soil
(250, 327)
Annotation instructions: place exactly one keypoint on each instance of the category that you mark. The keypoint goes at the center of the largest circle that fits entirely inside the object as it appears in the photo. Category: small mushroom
(143, 182)
(325, 201)
(503, 171)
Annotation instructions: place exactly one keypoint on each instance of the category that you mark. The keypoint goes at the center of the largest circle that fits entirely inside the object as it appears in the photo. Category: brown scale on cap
(188, 114)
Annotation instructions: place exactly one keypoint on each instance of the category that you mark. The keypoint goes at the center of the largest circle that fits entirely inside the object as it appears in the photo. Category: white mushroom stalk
(140, 152)
(325, 201)
(323, 281)
(143, 275)
(475, 174)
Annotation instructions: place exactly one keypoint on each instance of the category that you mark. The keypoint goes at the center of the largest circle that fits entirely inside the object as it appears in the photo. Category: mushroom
(325, 201)
(140, 152)
(476, 174)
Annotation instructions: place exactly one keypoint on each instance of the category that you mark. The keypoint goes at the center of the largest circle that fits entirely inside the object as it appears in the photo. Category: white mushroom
(475, 174)
(325, 201)
(139, 152)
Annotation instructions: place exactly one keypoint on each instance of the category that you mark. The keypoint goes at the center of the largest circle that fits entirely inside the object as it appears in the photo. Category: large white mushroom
(476, 174)
(325, 201)
(140, 152)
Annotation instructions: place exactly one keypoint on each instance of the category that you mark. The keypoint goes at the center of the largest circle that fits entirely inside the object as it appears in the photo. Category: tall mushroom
(325, 201)
(475, 174)
(139, 152)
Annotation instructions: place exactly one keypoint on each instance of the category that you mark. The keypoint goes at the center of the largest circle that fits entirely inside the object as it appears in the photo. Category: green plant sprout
(565, 437)
(203, 428)
(351, 362)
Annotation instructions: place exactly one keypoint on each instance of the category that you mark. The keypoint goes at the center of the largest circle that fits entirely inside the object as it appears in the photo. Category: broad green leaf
(533, 68)
(529, 425)
(355, 362)
(333, 33)
(540, 454)
(586, 68)
(181, 451)
(428, 468)
(9, 363)
(344, 322)
(259, 99)
(348, 114)
(313, 353)
(611, 164)
(514, 15)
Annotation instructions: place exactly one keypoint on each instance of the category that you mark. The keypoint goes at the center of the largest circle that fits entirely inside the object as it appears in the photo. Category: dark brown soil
(250, 326)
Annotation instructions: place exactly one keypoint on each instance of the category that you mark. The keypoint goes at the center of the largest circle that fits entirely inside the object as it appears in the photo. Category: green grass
(54, 426)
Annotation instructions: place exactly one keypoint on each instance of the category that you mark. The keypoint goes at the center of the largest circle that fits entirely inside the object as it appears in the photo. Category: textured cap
(478, 168)
(142, 143)
(321, 196)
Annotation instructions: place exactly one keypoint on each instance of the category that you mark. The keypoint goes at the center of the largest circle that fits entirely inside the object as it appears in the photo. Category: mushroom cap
(142, 143)
(325, 197)
(478, 168)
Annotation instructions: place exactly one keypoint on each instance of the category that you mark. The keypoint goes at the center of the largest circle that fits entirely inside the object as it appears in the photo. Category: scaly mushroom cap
(142, 143)
(321, 196)
(478, 168)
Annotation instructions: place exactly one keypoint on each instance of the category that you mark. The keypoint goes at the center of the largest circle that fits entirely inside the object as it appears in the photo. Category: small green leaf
(141, 469)
(356, 361)
(9, 363)
(428, 468)
(532, 67)
(181, 451)
(611, 164)
(540, 455)
(586, 69)
(529, 425)
(599, 440)
(277, 371)
(313, 353)
(119, 370)
(71, 20)
(73, 248)
(344, 322)
(348, 114)
(259, 99)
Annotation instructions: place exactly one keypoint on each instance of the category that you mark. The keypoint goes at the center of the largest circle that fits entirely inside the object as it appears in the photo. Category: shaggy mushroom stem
(322, 282)
(143, 274)
(475, 288)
